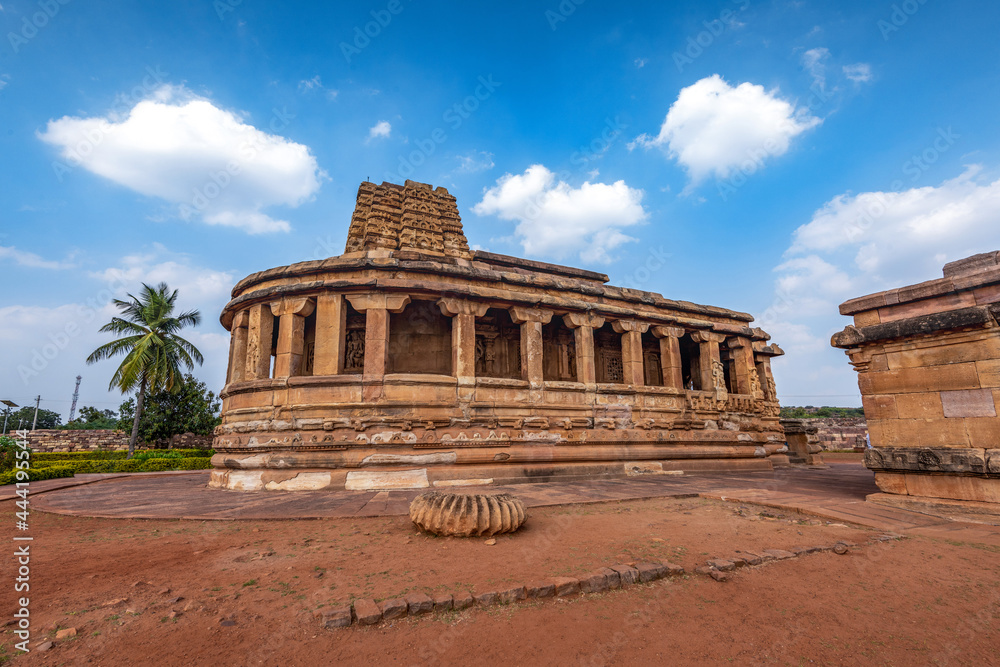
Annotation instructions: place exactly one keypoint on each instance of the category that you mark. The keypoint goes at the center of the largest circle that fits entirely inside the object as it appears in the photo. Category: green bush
(132, 465)
(49, 457)
(38, 474)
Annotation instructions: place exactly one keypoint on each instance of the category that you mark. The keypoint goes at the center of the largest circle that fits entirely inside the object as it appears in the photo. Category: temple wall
(78, 440)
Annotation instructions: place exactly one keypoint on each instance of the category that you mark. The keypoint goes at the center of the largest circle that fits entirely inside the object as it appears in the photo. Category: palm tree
(153, 351)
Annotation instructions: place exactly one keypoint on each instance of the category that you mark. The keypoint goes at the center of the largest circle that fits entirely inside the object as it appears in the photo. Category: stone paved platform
(835, 492)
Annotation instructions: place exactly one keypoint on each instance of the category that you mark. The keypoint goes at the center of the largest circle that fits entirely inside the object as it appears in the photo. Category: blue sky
(771, 157)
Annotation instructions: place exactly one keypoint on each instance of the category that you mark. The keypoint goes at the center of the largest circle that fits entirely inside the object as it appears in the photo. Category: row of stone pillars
(252, 333)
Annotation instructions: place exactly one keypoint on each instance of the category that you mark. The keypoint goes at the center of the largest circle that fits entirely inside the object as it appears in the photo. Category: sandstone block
(566, 586)
(593, 583)
(722, 565)
(649, 571)
(462, 600)
(395, 608)
(543, 589)
(338, 617)
(366, 612)
(486, 598)
(419, 603)
(512, 595)
(779, 554)
(443, 602)
(627, 574)
(65, 633)
(612, 578)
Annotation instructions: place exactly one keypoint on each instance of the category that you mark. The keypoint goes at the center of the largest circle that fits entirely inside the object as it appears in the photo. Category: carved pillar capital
(241, 319)
(520, 315)
(303, 306)
(394, 303)
(708, 337)
(452, 307)
(667, 332)
(588, 319)
(624, 326)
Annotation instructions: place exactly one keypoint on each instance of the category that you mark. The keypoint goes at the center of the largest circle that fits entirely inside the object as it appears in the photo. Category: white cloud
(814, 61)
(381, 129)
(475, 162)
(4, 78)
(641, 62)
(857, 244)
(858, 72)
(184, 149)
(31, 260)
(714, 128)
(309, 84)
(554, 219)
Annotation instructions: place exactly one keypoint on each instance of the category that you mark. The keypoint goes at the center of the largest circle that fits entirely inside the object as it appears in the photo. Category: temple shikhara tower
(411, 361)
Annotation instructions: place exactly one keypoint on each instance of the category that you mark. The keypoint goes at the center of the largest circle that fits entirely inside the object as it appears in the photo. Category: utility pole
(35, 422)
(76, 396)
(6, 414)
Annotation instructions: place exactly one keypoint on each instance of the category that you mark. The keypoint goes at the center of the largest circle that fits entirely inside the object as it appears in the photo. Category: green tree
(190, 408)
(91, 418)
(26, 417)
(154, 353)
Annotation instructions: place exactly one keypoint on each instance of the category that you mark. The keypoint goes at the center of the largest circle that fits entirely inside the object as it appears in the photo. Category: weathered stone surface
(65, 633)
(512, 595)
(840, 548)
(719, 576)
(612, 578)
(462, 600)
(338, 617)
(566, 586)
(366, 612)
(593, 583)
(722, 564)
(627, 574)
(462, 515)
(650, 571)
(486, 598)
(419, 603)
(779, 554)
(541, 589)
(443, 602)
(395, 608)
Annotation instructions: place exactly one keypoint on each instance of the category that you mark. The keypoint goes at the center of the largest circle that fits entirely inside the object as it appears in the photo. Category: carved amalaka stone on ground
(467, 515)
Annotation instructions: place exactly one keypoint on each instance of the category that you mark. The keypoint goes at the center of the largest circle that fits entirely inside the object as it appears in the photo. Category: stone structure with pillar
(928, 363)
(412, 361)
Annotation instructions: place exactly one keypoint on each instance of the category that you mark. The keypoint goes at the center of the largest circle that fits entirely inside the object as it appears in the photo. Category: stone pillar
(762, 355)
(331, 332)
(747, 379)
(670, 355)
(631, 331)
(292, 314)
(377, 308)
(583, 325)
(531, 321)
(463, 334)
(259, 334)
(713, 377)
(238, 346)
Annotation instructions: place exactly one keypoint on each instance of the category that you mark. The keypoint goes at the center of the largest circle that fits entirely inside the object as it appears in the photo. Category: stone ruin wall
(840, 432)
(101, 440)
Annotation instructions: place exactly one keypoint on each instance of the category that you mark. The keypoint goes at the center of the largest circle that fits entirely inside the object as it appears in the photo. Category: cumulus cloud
(381, 129)
(31, 260)
(714, 127)
(557, 220)
(857, 244)
(184, 149)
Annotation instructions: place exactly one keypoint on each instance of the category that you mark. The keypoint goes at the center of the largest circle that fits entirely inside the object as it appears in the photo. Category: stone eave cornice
(465, 270)
(931, 289)
(964, 318)
(495, 297)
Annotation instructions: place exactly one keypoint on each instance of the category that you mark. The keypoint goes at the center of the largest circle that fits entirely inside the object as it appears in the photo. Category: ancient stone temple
(412, 361)
(928, 362)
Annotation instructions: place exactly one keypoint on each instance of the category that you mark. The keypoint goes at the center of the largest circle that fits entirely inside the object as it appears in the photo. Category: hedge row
(37, 474)
(115, 455)
(149, 465)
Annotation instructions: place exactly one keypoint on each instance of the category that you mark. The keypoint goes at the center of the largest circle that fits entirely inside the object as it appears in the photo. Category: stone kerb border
(368, 612)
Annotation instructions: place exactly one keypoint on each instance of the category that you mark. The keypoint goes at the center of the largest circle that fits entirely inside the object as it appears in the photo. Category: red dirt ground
(908, 602)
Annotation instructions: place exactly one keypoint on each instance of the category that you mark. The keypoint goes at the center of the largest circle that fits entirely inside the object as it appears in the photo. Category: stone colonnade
(253, 335)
